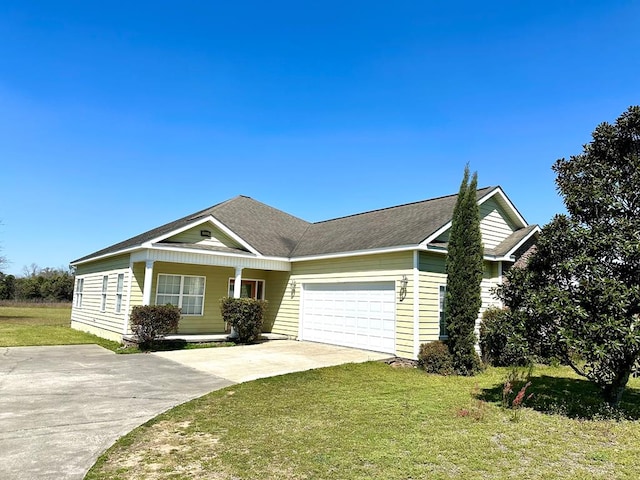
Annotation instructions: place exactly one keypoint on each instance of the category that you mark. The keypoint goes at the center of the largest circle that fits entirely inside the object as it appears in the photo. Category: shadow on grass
(570, 397)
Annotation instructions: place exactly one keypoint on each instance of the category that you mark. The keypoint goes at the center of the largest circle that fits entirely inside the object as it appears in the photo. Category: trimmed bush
(434, 357)
(152, 322)
(245, 315)
(502, 342)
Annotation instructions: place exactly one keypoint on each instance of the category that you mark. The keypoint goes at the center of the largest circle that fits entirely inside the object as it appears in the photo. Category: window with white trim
(79, 288)
(105, 284)
(184, 291)
(248, 289)
(119, 288)
(442, 300)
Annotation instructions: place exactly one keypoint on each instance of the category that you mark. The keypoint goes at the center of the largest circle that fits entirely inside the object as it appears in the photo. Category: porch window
(119, 289)
(184, 291)
(79, 288)
(105, 284)
(248, 289)
(441, 306)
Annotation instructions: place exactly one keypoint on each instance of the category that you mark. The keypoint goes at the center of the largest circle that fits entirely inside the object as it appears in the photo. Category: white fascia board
(444, 251)
(195, 223)
(106, 255)
(435, 234)
(355, 253)
(514, 211)
(496, 191)
(522, 242)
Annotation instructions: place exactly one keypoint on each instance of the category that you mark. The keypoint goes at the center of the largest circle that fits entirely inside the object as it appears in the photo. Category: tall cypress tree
(464, 269)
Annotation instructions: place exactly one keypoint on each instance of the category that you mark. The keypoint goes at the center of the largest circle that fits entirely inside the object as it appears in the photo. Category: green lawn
(371, 421)
(42, 324)
(32, 324)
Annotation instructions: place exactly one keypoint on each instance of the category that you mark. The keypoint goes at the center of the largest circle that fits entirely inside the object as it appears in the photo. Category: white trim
(512, 207)
(127, 313)
(219, 260)
(104, 289)
(121, 293)
(435, 234)
(195, 223)
(416, 303)
(106, 255)
(148, 280)
(170, 248)
(440, 286)
(182, 294)
(264, 283)
(496, 191)
(523, 241)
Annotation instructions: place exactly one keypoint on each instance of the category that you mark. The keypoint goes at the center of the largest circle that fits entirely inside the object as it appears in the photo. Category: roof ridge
(396, 206)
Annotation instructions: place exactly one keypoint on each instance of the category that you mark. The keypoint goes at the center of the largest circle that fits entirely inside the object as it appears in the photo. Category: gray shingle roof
(511, 241)
(270, 231)
(275, 233)
(402, 225)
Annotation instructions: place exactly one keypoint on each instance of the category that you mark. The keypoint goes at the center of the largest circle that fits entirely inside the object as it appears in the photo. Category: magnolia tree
(580, 292)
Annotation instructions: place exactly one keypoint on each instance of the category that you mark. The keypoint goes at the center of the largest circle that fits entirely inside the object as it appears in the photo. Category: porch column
(148, 279)
(237, 285)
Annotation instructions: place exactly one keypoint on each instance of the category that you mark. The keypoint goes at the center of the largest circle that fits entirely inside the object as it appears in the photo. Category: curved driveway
(61, 407)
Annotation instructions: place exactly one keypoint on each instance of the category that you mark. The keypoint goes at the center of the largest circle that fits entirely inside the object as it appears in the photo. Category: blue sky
(116, 117)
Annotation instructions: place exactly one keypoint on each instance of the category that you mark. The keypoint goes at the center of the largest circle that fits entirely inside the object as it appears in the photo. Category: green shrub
(245, 315)
(151, 322)
(503, 342)
(434, 357)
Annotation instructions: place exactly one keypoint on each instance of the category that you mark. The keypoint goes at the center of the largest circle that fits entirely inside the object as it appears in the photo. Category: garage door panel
(360, 315)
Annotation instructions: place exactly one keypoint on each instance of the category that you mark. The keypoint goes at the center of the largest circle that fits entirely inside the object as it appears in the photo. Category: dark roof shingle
(408, 224)
(273, 232)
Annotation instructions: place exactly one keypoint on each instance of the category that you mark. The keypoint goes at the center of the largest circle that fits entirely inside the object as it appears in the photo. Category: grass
(33, 324)
(370, 421)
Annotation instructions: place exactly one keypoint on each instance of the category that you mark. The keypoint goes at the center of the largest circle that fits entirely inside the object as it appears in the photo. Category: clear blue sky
(116, 117)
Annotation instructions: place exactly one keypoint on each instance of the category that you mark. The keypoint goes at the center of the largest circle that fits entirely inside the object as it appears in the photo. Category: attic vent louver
(205, 233)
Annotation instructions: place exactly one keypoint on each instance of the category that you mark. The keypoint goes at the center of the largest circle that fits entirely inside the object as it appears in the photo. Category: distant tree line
(38, 285)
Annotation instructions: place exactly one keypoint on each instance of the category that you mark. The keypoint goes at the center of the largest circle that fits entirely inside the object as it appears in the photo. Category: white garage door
(360, 315)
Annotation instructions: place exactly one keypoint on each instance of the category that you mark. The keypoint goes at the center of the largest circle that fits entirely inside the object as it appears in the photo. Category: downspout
(416, 303)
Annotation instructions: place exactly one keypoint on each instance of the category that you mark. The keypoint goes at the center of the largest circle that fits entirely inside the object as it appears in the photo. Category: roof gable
(402, 225)
(245, 225)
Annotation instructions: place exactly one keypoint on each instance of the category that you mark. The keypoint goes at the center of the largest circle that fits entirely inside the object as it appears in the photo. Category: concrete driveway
(243, 363)
(61, 407)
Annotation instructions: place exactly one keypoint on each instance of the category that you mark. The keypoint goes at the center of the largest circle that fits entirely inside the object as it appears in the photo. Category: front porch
(196, 282)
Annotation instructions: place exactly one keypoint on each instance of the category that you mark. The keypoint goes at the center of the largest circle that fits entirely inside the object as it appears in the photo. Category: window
(79, 288)
(119, 289)
(248, 289)
(441, 305)
(183, 291)
(105, 283)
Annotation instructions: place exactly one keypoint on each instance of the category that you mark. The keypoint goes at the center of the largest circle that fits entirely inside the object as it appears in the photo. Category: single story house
(373, 280)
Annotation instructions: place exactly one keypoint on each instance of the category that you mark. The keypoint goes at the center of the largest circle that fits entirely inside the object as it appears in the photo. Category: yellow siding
(432, 275)
(216, 284)
(490, 280)
(218, 238)
(494, 224)
(90, 317)
(370, 268)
